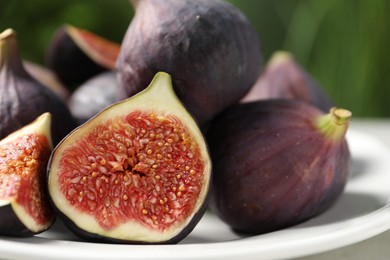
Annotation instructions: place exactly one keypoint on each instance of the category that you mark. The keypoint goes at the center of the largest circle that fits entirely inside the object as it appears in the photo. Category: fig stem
(334, 125)
(9, 53)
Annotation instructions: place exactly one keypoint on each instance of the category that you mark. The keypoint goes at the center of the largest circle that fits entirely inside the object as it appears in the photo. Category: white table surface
(378, 247)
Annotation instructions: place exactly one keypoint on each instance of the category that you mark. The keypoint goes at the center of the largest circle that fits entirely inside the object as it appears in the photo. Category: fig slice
(277, 163)
(137, 172)
(24, 204)
(76, 54)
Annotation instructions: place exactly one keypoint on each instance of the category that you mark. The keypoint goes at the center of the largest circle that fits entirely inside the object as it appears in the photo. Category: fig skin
(284, 78)
(17, 183)
(94, 95)
(75, 55)
(47, 78)
(22, 98)
(277, 163)
(125, 224)
(209, 47)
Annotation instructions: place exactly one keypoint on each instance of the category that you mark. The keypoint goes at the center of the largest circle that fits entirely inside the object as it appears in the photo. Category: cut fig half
(24, 204)
(137, 172)
(76, 54)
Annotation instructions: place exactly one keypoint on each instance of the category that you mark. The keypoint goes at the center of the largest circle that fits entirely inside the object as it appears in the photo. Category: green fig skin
(23, 98)
(276, 163)
(284, 78)
(209, 47)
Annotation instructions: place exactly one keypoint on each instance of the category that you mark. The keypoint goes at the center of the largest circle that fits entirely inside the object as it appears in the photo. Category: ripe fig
(209, 47)
(75, 55)
(277, 163)
(137, 172)
(47, 78)
(24, 204)
(283, 77)
(94, 95)
(22, 98)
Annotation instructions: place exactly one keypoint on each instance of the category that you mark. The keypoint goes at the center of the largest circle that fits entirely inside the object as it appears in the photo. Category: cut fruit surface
(137, 172)
(24, 204)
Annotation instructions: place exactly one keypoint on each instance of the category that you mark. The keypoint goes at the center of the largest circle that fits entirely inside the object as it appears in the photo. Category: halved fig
(277, 163)
(24, 204)
(76, 54)
(137, 172)
(47, 78)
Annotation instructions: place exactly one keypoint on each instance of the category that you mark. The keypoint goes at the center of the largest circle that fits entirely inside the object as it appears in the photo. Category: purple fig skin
(283, 77)
(94, 95)
(10, 225)
(275, 165)
(47, 78)
(23, 99)
(209, 47)
(70, 64)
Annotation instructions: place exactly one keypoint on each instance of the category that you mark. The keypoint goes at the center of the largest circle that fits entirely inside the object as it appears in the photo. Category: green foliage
(344, 44)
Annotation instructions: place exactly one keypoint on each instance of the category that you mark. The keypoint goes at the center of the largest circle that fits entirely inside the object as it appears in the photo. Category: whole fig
(137, 172)
(22, 98)
(92, 96)
(283, 77)
(277, 163)
(209, 47)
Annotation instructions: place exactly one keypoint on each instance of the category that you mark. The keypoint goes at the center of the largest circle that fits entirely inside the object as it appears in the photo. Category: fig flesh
(76, 54)
(24, 204)
(187, 39)
(94, 95)
(277, 163)
(137, 172)
(22, 98)
(283, 77)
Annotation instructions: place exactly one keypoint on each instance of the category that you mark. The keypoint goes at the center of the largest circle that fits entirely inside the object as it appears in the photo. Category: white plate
(360, 213)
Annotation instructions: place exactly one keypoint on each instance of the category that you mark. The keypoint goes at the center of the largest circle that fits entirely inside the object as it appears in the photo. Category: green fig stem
(280, 57)
(9, 52)
(334, 125)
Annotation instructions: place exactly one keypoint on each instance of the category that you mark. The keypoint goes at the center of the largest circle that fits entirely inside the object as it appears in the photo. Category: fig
(47, 78)
(24, 204)
(76, 54)
(94, 95)
(22, 98)
(283, 77)
(277, 163)
(209, 47)
(137, 172)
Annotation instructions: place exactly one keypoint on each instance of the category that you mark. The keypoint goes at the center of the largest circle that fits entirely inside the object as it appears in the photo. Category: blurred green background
(344, 44)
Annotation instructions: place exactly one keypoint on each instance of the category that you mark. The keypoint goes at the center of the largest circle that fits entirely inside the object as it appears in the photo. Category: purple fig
(209, 47)
(277, 163)
(94, 95)
(22, 98)
(75, 55)
(283, 77)
(47, 78)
